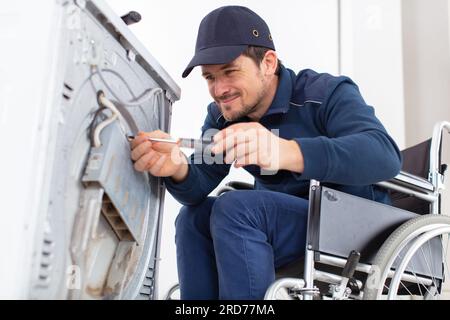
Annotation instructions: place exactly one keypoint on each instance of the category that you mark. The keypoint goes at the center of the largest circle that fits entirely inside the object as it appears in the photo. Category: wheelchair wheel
(173, 293)
(285, 289)
(412, 262)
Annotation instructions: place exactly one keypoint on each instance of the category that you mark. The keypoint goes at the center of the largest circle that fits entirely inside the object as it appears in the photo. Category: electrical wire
(115, 115)
(145, 96)
(138, 101)
(92, 126)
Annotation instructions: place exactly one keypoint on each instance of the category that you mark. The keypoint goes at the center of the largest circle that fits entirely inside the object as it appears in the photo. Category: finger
(223, 134)
(164, 147)
(152, 161)
(158, 165)
(142, 148)
(237, 126)
(161, 146)
(220, 136)
(227, 143)
(243, 133)
(138, 140)
(245, 142)
(241, 150)
(143, 136)
(250, 145)
(141, 164)
(256, 158)
(247, 159)
(157, 134)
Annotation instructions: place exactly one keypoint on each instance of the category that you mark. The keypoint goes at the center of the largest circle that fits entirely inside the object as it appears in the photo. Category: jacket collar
(280, 103)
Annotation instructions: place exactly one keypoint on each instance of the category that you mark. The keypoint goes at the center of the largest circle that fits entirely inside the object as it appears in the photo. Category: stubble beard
(245, 110)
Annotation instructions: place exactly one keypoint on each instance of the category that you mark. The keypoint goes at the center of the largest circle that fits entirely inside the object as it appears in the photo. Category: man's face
(238, 88)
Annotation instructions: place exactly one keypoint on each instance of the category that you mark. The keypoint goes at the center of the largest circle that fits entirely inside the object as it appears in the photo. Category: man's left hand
(251, 143)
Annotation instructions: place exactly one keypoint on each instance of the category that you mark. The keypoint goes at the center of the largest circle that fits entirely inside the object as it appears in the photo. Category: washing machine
(78, 221)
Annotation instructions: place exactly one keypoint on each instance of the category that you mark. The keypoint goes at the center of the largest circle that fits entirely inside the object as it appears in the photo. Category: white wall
(371, 54)
(427, 66)
(305, 34)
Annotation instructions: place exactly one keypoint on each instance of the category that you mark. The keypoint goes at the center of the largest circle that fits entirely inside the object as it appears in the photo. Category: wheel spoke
(418, 282)
(386, 287)
(432, 262)
(444, 258)
(431, 271)
(401, 282)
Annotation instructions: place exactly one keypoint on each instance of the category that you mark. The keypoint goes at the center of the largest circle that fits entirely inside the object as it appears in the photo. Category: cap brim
(214, 55)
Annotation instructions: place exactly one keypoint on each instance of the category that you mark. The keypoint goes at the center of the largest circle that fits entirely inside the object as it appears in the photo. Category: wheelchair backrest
(416, 161)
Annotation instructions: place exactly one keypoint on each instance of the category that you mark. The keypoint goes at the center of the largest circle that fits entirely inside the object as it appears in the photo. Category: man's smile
(228, 99)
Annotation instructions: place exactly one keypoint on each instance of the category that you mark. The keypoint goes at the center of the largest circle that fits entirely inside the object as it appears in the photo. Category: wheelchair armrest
(235, 185)
(411, 185)
(411, 181)
(238, 185)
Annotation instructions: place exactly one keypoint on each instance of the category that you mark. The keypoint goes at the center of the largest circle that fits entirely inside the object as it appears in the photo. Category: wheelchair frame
(407, 237)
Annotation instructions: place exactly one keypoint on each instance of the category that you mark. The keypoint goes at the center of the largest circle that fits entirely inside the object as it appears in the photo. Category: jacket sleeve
(356, 149)
(204, 175)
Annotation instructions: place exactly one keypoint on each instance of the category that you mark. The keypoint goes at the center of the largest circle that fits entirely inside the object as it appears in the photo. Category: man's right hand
(161, 159)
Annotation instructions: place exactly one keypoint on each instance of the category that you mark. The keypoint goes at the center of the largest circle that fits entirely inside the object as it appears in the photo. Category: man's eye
(209, 78)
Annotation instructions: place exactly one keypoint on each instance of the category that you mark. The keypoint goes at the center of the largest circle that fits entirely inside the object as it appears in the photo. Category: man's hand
(159, 158)
(251, 143)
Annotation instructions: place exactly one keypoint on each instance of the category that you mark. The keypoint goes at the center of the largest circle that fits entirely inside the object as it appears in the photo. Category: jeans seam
(250, 276)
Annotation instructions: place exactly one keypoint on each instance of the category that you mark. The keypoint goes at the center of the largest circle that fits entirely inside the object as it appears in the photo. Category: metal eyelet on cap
(255, 33)
(270, 37)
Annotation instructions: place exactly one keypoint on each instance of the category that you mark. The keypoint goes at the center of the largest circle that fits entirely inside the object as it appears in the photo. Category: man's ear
(270, 62)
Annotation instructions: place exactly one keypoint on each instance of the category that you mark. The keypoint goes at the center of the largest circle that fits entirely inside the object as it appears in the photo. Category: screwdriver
(182, 142)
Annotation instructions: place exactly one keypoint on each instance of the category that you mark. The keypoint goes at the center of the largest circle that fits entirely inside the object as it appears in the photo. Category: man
(283, 128)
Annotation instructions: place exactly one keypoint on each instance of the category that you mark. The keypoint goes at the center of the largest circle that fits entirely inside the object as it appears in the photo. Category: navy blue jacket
(344, 145)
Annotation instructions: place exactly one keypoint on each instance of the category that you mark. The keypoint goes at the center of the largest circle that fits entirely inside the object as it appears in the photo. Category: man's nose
(220, 87)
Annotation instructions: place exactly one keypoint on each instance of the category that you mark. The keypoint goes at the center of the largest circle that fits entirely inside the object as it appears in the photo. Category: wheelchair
(365, 250)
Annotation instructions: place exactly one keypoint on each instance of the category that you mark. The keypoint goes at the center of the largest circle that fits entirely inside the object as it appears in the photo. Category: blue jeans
(229, 246)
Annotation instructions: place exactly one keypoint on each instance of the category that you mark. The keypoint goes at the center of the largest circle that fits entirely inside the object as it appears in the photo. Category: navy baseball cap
(225, 33)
